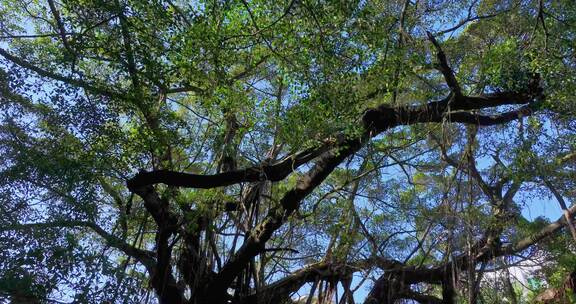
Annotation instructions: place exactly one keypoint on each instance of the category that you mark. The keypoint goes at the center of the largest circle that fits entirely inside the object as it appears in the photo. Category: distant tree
(278, 151)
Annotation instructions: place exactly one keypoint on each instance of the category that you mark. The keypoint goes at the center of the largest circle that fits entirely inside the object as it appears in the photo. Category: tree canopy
(294, 151)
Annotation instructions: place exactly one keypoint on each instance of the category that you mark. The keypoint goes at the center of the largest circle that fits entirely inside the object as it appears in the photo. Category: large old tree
(236, 151)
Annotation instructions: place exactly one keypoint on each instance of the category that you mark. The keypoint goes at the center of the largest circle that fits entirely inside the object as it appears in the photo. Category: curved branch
(375, 120)
(273, 172)
(256, 241)
(282, 289)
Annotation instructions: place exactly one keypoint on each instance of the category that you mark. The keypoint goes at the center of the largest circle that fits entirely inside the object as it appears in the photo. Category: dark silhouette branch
(444, 68)
(271, 172)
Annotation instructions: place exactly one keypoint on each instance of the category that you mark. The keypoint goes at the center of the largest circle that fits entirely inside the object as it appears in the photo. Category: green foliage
(115, 87)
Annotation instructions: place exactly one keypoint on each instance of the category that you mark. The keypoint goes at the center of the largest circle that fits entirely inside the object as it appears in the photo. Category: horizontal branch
(490, 120)
(273, 172)
(451, 109)
(376, 119)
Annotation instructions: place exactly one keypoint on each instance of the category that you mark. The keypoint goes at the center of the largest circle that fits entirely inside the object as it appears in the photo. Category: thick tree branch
(283, 288)
(162, 278)
(274, 172)
(257, 239)
(445, 69)
(328, 158)
(385, 117)
(376, 120)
